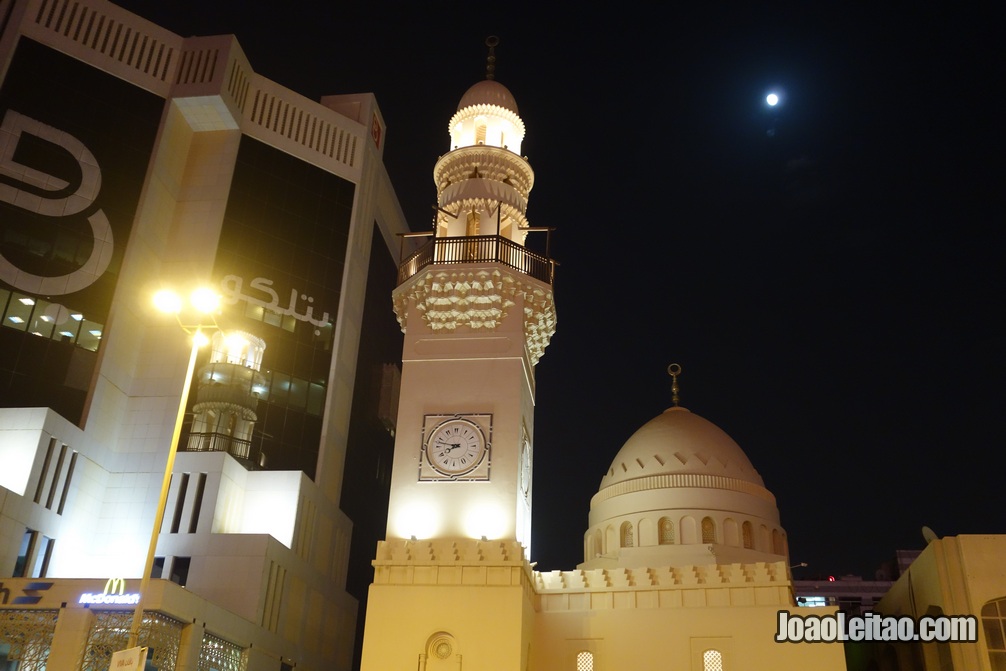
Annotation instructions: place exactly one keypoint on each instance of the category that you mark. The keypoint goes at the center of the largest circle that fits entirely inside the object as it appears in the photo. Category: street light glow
(205, 300)
(168, 301)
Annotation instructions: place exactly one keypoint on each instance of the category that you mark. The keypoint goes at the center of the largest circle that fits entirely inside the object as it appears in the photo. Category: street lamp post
(205, 302)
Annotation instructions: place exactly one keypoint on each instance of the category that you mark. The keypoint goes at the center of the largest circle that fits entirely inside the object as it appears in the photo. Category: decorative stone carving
(479, 299)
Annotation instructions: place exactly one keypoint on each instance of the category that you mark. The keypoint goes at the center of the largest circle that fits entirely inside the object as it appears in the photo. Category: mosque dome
(489, 92)
(678, 441)
(681, 492)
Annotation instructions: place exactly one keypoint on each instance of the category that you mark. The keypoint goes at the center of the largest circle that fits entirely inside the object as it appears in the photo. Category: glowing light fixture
(168, 301)
(26, 301)
(417, 520)
(772, 99)
(205, 300)
(16, 319)
(77, 316)
(485, 521)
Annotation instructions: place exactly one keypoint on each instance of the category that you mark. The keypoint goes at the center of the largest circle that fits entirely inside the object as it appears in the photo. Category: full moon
(772, 99)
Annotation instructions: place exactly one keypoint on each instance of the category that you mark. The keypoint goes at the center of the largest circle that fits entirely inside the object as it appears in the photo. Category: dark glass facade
(280, 263)
(74, 148)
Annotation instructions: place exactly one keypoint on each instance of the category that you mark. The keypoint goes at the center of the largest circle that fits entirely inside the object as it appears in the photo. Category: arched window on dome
(625, 535)
(747, 535)
(665, 531)
(712, 660)
(584, 661)
(777, 542)
(708, 530)
(609, 539)
(590, 548)
(731, 533)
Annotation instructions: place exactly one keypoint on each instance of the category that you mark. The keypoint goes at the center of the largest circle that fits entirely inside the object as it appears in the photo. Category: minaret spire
(674, 370)
(492, 42)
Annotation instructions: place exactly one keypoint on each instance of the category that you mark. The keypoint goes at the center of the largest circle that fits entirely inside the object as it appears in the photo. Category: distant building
(959, 576)
(853, 594)
(850, 593)
(130, 159)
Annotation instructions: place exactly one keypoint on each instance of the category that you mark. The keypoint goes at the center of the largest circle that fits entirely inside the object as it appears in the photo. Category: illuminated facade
(685, 561)
(148, 160)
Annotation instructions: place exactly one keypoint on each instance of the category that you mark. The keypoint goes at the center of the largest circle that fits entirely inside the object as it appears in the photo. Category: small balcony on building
(469, 249)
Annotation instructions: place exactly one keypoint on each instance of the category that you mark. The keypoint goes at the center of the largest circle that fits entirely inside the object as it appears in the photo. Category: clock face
(456, 446)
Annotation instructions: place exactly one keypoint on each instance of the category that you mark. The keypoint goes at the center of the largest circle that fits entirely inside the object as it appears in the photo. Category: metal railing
(477, 249)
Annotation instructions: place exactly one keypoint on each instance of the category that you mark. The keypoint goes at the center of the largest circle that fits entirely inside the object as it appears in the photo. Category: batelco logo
(30, 592)
(52, 196)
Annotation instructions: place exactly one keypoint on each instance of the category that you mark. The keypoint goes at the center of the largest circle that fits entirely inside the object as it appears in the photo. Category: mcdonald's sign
(114, 594)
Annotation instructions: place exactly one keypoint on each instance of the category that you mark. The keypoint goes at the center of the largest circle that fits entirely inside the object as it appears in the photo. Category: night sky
(830, 288)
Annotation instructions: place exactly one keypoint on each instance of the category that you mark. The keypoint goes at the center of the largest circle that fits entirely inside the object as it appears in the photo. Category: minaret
(476, 309)
(230, 386)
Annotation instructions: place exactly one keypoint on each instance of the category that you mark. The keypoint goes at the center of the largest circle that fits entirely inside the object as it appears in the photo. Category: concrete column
(190, 646)
(70, 637)
(259, 660)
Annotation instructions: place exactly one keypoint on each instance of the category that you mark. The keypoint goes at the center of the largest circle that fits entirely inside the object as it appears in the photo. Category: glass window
(43, 318)
(180, 570)
(27, 543)
(298, 393)
(42, 557)
(279, 390)
(18, 312)
(315, 399)
(90, 334)
(993, 625)
(584, 661)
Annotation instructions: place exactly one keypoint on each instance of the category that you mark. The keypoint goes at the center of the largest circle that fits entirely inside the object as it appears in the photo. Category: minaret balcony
(469, 249)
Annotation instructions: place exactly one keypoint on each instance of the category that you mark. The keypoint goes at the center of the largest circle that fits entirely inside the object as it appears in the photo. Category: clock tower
(452, 578)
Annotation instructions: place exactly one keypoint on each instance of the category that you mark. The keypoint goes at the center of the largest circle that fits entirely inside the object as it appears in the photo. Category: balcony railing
(477, 249)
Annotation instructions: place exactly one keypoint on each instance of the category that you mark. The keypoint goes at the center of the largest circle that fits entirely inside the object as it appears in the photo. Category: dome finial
(492, 42)
(674, 370)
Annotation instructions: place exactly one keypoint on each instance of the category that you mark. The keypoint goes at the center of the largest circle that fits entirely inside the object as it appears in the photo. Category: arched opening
(689, 534)
(625, 535)
(747, 535)
(712, 660)
(647, 533)
(731, 534)
(666, 531)
(480, 130)
(708, 530)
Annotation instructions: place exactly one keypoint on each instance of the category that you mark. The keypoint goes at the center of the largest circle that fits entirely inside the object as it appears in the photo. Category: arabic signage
(73, 156)
(231, 287)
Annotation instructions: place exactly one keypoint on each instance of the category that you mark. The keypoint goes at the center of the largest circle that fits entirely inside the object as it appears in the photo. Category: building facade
(132, 159)
(685, 560)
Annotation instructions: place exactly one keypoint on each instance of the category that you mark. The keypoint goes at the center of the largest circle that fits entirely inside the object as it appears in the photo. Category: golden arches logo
(115, 583)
